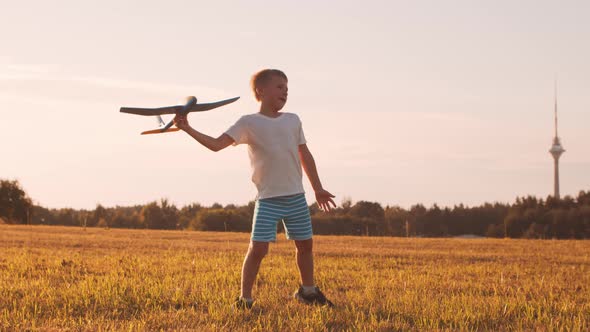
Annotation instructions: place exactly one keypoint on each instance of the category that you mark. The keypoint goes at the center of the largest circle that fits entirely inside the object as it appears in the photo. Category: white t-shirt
(273, 147)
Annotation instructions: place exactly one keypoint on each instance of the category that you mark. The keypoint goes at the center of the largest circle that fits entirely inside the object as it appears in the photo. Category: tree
(151, 216)
(159, 216)
(495, 230)
(514, 223)
(583, 198)
(187, 213)
(370, 215)
(15, 205)
(395, 221)
(221, 220)
(100, 213)
(345, 205)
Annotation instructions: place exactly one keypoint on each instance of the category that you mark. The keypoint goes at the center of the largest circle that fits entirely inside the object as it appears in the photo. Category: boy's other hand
(181, 122)
(324, 198)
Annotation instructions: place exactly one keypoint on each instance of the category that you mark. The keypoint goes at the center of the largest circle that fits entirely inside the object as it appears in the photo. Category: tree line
(527, 217)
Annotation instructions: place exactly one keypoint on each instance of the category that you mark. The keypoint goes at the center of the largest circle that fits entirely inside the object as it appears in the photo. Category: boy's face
(274, 93)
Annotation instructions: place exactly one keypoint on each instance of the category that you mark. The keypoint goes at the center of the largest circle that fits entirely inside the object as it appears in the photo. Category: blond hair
(262, 77)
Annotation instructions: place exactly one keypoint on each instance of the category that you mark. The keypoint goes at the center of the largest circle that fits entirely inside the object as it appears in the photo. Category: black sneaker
(243, 304)
(317, 297)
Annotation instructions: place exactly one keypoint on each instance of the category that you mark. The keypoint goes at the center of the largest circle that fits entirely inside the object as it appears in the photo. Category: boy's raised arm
(213, 144)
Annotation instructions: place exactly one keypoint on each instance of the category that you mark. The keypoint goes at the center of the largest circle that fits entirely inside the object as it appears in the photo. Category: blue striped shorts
(292, 210)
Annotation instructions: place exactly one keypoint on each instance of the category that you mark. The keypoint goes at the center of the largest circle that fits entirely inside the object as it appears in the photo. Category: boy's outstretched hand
(324, 198)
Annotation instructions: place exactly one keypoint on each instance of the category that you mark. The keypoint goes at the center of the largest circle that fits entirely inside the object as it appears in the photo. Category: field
(61, 278)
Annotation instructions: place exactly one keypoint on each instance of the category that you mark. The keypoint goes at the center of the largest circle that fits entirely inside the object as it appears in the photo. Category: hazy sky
(402, 102)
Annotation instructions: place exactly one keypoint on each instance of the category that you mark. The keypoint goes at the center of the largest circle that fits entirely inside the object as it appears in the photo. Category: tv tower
(556, 151)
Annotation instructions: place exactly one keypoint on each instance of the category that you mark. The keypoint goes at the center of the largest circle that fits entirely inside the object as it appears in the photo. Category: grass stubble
(69, 278)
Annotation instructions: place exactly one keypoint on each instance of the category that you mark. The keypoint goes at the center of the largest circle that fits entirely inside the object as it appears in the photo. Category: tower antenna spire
(555, 104)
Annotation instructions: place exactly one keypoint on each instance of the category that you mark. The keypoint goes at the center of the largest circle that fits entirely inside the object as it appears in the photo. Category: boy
(277, 150)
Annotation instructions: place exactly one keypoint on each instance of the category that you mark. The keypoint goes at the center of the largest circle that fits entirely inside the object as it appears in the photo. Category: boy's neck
(267, 111)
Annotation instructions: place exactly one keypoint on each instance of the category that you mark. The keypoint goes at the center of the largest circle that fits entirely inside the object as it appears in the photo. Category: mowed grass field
(66, 278)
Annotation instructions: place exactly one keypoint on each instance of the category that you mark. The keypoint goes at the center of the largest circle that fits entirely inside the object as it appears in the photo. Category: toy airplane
(190, 106)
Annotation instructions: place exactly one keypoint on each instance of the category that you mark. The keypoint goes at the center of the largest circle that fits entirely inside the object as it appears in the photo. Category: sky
(402, 102)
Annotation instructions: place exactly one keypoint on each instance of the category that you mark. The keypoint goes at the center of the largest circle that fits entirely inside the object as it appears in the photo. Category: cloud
(49, 82)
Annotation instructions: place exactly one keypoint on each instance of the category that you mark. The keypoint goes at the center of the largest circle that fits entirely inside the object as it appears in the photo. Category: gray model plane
(190, 106)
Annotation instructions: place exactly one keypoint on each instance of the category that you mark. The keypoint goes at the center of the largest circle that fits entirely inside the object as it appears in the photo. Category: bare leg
(256, 253)
(305, 261)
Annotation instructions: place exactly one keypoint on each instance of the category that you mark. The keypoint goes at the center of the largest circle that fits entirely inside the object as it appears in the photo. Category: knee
(304, 247)
(258, 251)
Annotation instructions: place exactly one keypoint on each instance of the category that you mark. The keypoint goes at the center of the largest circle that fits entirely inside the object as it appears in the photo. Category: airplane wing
(152, 111)
(178, 108)
(210, 106)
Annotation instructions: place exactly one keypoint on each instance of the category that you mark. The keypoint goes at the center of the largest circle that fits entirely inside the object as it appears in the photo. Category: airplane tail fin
(164, 127)
(160, 131)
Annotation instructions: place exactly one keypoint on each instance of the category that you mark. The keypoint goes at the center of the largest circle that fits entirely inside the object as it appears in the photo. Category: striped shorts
(292, 210)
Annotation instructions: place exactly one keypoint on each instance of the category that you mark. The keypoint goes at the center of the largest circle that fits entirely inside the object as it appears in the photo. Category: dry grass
(96, 279)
